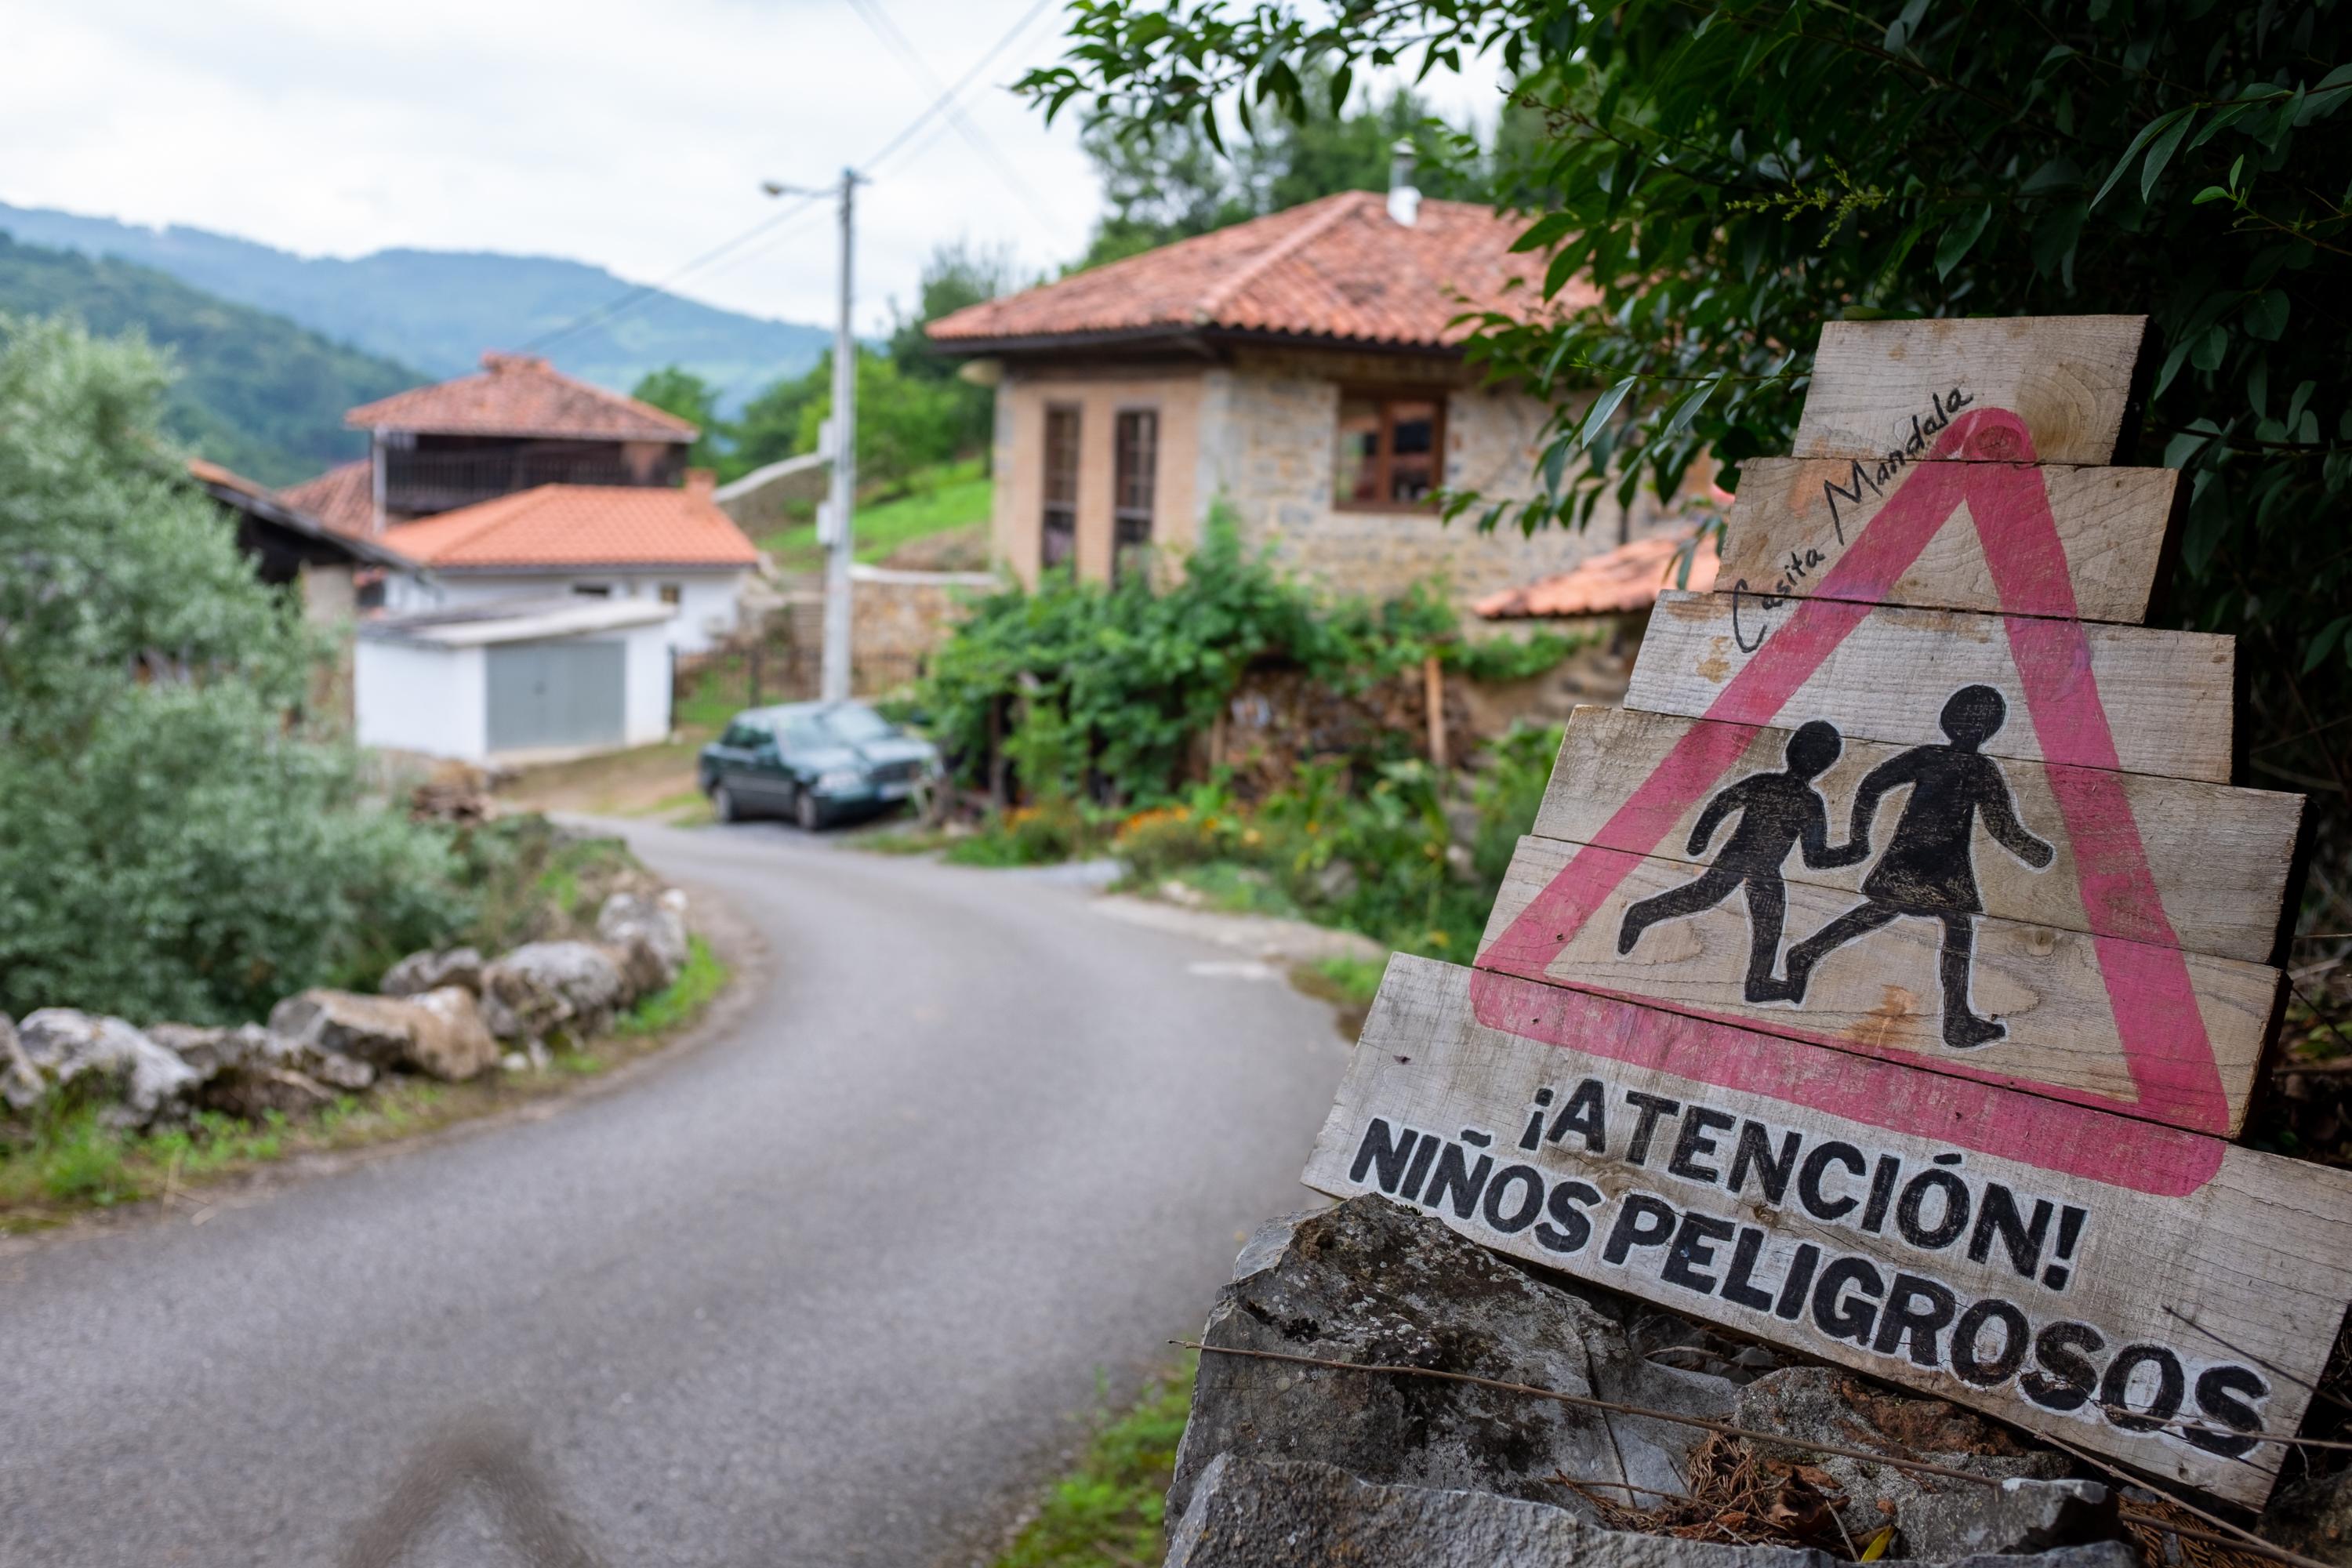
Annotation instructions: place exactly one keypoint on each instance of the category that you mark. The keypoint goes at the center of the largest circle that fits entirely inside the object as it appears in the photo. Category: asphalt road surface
(831, 1287)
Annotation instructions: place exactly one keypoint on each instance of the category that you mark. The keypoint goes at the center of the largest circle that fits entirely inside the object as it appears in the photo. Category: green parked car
(815, 763)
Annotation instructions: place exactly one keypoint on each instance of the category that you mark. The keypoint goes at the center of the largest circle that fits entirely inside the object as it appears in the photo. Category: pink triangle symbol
(2147, 978)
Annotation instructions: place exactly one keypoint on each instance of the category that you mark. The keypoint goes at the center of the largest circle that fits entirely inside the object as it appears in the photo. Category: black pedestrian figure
(1930, 867)
(1777, 811)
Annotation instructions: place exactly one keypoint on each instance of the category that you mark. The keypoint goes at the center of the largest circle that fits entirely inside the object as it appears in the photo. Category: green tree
(1169, 179)
(676, 389)
(955, 275)
(1731, 175)
(769, 428)
(912, 410)
(180, 839)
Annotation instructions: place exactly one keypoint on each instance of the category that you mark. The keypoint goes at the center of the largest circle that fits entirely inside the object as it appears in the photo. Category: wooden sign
(1890, 391)
(1793, 516)
(2220, 886)
(2160, 1323)
(1888, 978)
(1881, 672)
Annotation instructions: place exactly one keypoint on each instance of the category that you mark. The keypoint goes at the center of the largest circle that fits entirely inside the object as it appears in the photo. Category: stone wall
(1269, 423)
(897, 618)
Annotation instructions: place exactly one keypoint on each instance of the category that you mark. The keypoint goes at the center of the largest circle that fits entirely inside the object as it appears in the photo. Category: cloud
(625, 134)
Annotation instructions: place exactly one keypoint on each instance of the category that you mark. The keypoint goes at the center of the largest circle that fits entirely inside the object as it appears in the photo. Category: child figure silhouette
(1929, 869)
(1777, 811)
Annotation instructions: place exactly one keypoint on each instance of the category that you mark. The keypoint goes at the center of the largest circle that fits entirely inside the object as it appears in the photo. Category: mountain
(256, 393)
(438, 310)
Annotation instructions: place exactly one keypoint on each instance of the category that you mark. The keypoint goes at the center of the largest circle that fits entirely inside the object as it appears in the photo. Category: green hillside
(438, 310)
(257, 392)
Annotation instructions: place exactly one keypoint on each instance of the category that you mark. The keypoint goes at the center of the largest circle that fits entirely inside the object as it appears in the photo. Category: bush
(1379, 858)
(1135, 673)
(182, 838)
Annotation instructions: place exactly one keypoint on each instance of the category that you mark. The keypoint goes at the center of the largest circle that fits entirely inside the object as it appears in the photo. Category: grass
(1231, 888)
(951, 496)
(1107, 1512)
(1351, 981)
(682, 1000)
(68, 1163)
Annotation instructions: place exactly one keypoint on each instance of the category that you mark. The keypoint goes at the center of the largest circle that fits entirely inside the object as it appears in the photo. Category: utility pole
(838, 441)
(834, 533)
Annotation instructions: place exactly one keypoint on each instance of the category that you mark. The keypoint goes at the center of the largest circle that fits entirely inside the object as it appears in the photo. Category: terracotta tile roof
(516, 394)
(579, 525)
(344, 498)
(1629, 577)
(1338, 268)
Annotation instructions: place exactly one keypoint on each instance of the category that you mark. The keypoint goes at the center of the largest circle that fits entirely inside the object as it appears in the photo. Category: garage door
(546, 694)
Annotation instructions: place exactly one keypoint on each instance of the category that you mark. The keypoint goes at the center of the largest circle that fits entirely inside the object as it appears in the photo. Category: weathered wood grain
(1881, 994)
(1879, 386)
(1795, 518)
(2216, 1257)
(2218, 858)
(1880, 673)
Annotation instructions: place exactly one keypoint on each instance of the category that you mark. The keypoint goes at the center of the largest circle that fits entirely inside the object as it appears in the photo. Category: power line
(634, 297)
(963, 81)
(643, 291)
(888, 31)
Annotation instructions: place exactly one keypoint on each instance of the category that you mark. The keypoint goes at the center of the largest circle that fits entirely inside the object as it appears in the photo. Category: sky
(628, 134)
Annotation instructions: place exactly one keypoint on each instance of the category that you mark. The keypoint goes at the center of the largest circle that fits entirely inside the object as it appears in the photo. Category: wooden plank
(1884, 674)
(1795, 518)
(2205, 1285)
(1882, 388)
(1884, 992)
(2218, 859)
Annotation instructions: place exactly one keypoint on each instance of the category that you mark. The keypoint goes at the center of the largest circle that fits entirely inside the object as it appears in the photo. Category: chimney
(498, 362)
(700, 483)
(1404, 200)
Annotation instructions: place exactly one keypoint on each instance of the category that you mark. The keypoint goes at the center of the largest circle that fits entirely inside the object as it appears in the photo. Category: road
(831, 1287)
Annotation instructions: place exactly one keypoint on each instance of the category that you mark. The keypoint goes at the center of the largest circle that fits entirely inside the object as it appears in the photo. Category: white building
(669, 547)
(517, 679)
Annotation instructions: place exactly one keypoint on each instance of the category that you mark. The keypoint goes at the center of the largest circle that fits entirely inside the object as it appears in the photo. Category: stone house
(1304, 369)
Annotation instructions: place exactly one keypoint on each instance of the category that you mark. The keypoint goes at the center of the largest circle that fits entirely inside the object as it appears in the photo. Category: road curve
(826, 1289)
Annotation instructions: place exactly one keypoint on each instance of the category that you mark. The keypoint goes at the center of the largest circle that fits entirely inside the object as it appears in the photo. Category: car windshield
(855, 724)
(804, 735)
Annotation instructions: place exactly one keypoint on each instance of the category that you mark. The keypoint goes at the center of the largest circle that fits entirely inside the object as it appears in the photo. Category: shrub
(1378, 857)
(181, 838)
(1135, 673)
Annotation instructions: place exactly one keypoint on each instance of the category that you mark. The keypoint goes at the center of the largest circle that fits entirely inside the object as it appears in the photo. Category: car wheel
(810, 811)
(722, 804)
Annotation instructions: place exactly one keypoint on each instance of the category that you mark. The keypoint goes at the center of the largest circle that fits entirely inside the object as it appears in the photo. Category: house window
(1134, 469)
(1060, 536)
(671, 593)
(593, 590)
(1388, 447)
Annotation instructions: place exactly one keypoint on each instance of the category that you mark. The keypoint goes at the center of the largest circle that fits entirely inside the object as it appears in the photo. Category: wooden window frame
(1387, 397)
(1122, 514)
(1049, 506)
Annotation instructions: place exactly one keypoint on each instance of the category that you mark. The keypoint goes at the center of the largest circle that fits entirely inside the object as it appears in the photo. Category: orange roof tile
(579, 525)
(517, 395)
(344, 498)
(1336, 267)
(1629, 577)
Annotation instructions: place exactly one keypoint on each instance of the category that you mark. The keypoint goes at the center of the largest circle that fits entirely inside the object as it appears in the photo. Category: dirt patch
(653, 782)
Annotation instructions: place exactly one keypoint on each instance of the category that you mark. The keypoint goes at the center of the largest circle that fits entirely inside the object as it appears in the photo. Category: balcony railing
(417, 483)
